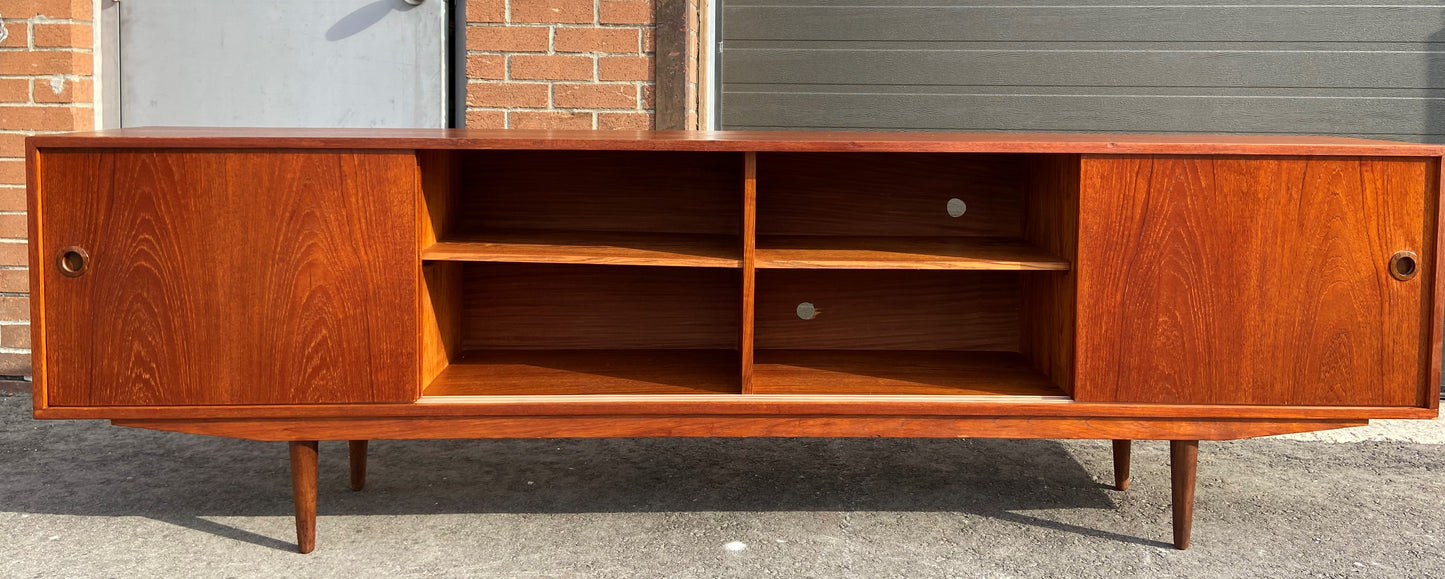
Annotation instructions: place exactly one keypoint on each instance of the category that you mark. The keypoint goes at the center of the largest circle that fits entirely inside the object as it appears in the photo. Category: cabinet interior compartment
(896, 211)
(580, 272)
(915, 274)
(660, 208)
(523, 328)
(892, 332)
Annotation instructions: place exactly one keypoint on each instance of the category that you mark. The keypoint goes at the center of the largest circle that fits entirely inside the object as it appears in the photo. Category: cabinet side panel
(1052, 223)
(1431, 392)
(1252, 280)
(441, 317)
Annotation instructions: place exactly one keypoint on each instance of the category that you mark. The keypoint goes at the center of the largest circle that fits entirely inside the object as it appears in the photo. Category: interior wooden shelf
(562, 372)
(609, 248)
(960, 253)
(899, 372)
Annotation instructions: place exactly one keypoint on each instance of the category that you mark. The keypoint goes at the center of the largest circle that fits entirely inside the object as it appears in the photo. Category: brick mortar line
(576, 25)
(558, 80)
(43, 19)
(534, 110)
(44, 48)
(512, 53)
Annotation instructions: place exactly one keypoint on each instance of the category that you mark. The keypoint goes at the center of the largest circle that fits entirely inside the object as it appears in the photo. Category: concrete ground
(82, 499)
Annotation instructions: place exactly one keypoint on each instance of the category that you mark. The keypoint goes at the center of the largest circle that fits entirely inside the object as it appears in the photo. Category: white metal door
(282, 63)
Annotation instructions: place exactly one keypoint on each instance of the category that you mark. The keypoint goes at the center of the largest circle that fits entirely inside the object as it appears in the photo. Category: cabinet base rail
(1183, 460)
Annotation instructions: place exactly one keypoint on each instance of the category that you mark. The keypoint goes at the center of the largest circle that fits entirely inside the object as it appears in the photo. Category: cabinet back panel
(661, 192)
(1255, 280)
(229, 277)
(888, 310)
(541, 307)
(893, 194)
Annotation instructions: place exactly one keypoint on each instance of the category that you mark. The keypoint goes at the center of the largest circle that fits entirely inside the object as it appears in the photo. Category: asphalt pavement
(86, 499)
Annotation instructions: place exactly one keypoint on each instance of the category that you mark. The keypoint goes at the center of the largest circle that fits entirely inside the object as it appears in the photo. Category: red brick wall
(45, 87)
(563, 64)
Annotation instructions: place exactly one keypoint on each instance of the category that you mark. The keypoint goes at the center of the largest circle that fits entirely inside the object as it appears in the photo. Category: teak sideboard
(305, 285)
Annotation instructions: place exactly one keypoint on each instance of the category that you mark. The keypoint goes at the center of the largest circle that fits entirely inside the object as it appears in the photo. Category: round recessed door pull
(807, 311)
(1404, 265)
(956, 207)
(72, 261)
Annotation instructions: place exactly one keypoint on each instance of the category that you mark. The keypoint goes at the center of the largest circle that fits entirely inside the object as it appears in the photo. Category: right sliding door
(1256, 280)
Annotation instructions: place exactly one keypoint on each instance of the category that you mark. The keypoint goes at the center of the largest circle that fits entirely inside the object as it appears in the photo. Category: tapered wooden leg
(303, 487)
(358, 465)
(1121, 464)
(1183, 461)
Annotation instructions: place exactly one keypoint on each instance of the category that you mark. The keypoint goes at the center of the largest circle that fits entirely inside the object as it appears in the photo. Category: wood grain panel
(551, 307)
(441, 318)
(1048, 298)
(440, 177)
(657, 192)
(737, 426)
(962, 253)
(1253, 280)
(899, 373)
(588, 372)
(748, 331)
(232, 278)
(602, 248)
(35, 250)
(888, 310)
(858, 194)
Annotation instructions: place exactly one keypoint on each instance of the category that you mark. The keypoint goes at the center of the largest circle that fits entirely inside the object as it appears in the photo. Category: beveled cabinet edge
(1437, 317)
(37, 266)
(786, 426)
(739, 404)
(735, 141)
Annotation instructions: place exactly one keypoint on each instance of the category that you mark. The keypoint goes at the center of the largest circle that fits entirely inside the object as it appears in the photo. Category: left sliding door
(185, 277)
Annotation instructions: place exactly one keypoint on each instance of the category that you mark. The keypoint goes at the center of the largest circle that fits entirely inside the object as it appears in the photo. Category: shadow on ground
(90, 468)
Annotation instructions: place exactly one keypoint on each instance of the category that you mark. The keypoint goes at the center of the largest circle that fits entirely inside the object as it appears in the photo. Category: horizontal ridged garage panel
(1342, 67)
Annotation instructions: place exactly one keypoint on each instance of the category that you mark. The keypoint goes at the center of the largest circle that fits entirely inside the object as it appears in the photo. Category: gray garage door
(1347, 67)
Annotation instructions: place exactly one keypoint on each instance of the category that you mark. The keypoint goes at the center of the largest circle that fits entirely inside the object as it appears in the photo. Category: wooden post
(303, 488)
(1183, 461)
(1121, 464)
(358, 465)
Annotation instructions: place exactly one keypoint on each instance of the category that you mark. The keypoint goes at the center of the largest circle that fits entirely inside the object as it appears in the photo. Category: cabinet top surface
(268, 138)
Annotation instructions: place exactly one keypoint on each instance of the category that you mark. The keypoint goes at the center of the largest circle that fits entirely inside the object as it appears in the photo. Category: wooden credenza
(302, 285)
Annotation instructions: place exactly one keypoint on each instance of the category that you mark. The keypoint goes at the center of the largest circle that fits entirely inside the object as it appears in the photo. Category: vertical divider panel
(438, 174)
(1049, 298)
(749, 271)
